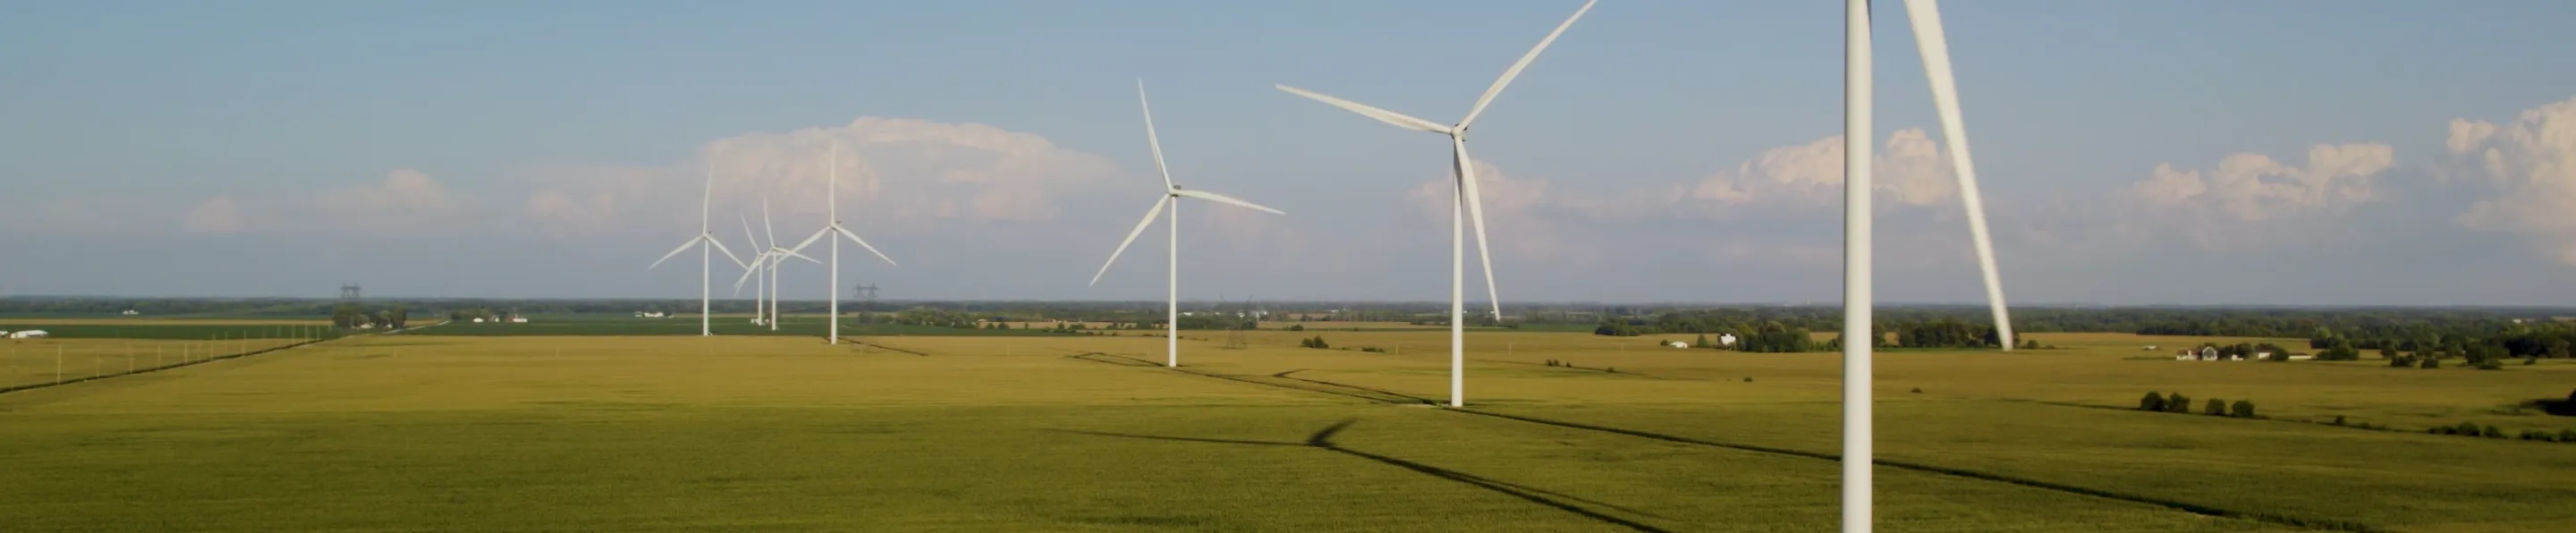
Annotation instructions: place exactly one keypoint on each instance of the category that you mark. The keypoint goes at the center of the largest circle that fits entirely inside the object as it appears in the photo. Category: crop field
(1564, 432)
(618, 325)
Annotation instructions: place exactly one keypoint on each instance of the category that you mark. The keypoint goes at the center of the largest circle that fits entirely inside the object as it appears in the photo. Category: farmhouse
(29, 334)
(131, 312)
(1725, 339)
(1679, 344)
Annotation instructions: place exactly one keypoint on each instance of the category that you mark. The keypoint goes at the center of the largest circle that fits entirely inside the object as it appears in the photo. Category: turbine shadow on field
(1323, 440)
(1361, 393)
(1382, 396)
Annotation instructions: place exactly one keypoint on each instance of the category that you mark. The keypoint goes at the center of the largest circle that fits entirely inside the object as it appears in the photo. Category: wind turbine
(1933, 43)
(767, 264)
(1466, 204)
(1171, 197)
(832, 209)
(706, 262)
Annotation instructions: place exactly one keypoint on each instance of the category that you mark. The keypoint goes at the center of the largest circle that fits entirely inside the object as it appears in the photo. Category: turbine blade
(747, 236)
(809, 241)
(1934, 43)
(676, 251)
(1219, 198)
(729, 255)
(1476, 214)
(1515, 71)
(1131, 236)
(765, 225)
(863, 243)
(792, 253)
(1150, 138)
(748, 271)
(1398, 119)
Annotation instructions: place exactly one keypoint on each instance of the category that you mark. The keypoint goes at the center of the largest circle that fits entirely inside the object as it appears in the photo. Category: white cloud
(892, 173)
(216, 216)
(1910, 169)
(2218, 207)
(2529, 166)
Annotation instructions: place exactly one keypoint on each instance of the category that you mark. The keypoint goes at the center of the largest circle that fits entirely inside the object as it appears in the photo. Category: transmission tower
(867, 302)
(349, 292)
(1233, 323)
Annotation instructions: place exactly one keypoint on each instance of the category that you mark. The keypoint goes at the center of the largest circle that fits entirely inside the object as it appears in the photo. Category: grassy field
(623, 325)
(1074, 433)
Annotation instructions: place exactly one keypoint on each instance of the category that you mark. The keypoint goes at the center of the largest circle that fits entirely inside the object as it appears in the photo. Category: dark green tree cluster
(2178, 403)
(1947, 333)
(1316, 342)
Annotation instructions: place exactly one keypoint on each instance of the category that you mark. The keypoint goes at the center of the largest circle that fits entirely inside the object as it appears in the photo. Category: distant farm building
(1679, 344)
(478, 320)
(131, 312)
(30, 334)
(1726, 339)
(651, 314)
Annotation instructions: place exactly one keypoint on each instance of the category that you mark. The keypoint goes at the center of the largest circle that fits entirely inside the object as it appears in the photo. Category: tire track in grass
(1381, 396)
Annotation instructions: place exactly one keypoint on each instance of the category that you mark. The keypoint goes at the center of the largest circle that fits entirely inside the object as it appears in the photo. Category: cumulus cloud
(2254, 187)
(215, 216)
(1909, 170)
(2219, 208)
(2529, 167)
(898, 172)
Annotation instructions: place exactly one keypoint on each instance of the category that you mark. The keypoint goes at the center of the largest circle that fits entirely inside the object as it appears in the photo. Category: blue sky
(552, 149)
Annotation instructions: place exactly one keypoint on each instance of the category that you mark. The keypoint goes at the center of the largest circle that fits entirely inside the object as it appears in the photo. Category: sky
(2175, 152)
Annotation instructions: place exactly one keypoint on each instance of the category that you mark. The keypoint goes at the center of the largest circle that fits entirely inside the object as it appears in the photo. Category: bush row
(2178, 403)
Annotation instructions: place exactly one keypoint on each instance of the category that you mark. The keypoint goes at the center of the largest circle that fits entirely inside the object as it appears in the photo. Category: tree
(398, 316)
(1701, 342)
(1297, 327)
(2245, 409)
(2177, 403)
(2388, 351)
(2558, 348)
(2431, 362)
(2215, 407)
(2156, 402)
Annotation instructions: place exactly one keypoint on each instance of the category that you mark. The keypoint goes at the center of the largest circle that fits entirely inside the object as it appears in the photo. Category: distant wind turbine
(706, 262)
(767, 264)
(1171, 197)
(1465, 205)
(1931, 41)
(832, 210)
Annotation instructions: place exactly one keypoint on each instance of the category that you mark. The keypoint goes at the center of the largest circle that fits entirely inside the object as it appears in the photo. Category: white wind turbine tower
(1466, 205)
(1171, 197)
(767, 264)
(832, 210)
(706, 262)
(1933, 44)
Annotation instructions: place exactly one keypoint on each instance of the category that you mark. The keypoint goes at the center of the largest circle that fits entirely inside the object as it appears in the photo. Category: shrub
(2153, 401)
(2441, 430)
(1918, 390)
(2338, 420)
(2492, 433)
(1748, 379)
(2215, 407)
(2430, 362)
(1610, 369)
(1296, 327)
(2245, 409)
(2401, 361)
(2490, 365)
(2178, 403)
(2567, 435)
(2465, 428)
(2538, 435)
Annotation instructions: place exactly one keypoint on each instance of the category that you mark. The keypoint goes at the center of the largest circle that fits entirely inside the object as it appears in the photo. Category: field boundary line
(96, 377)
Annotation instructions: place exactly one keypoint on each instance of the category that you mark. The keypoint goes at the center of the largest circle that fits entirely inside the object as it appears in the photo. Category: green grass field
(1073, 433)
